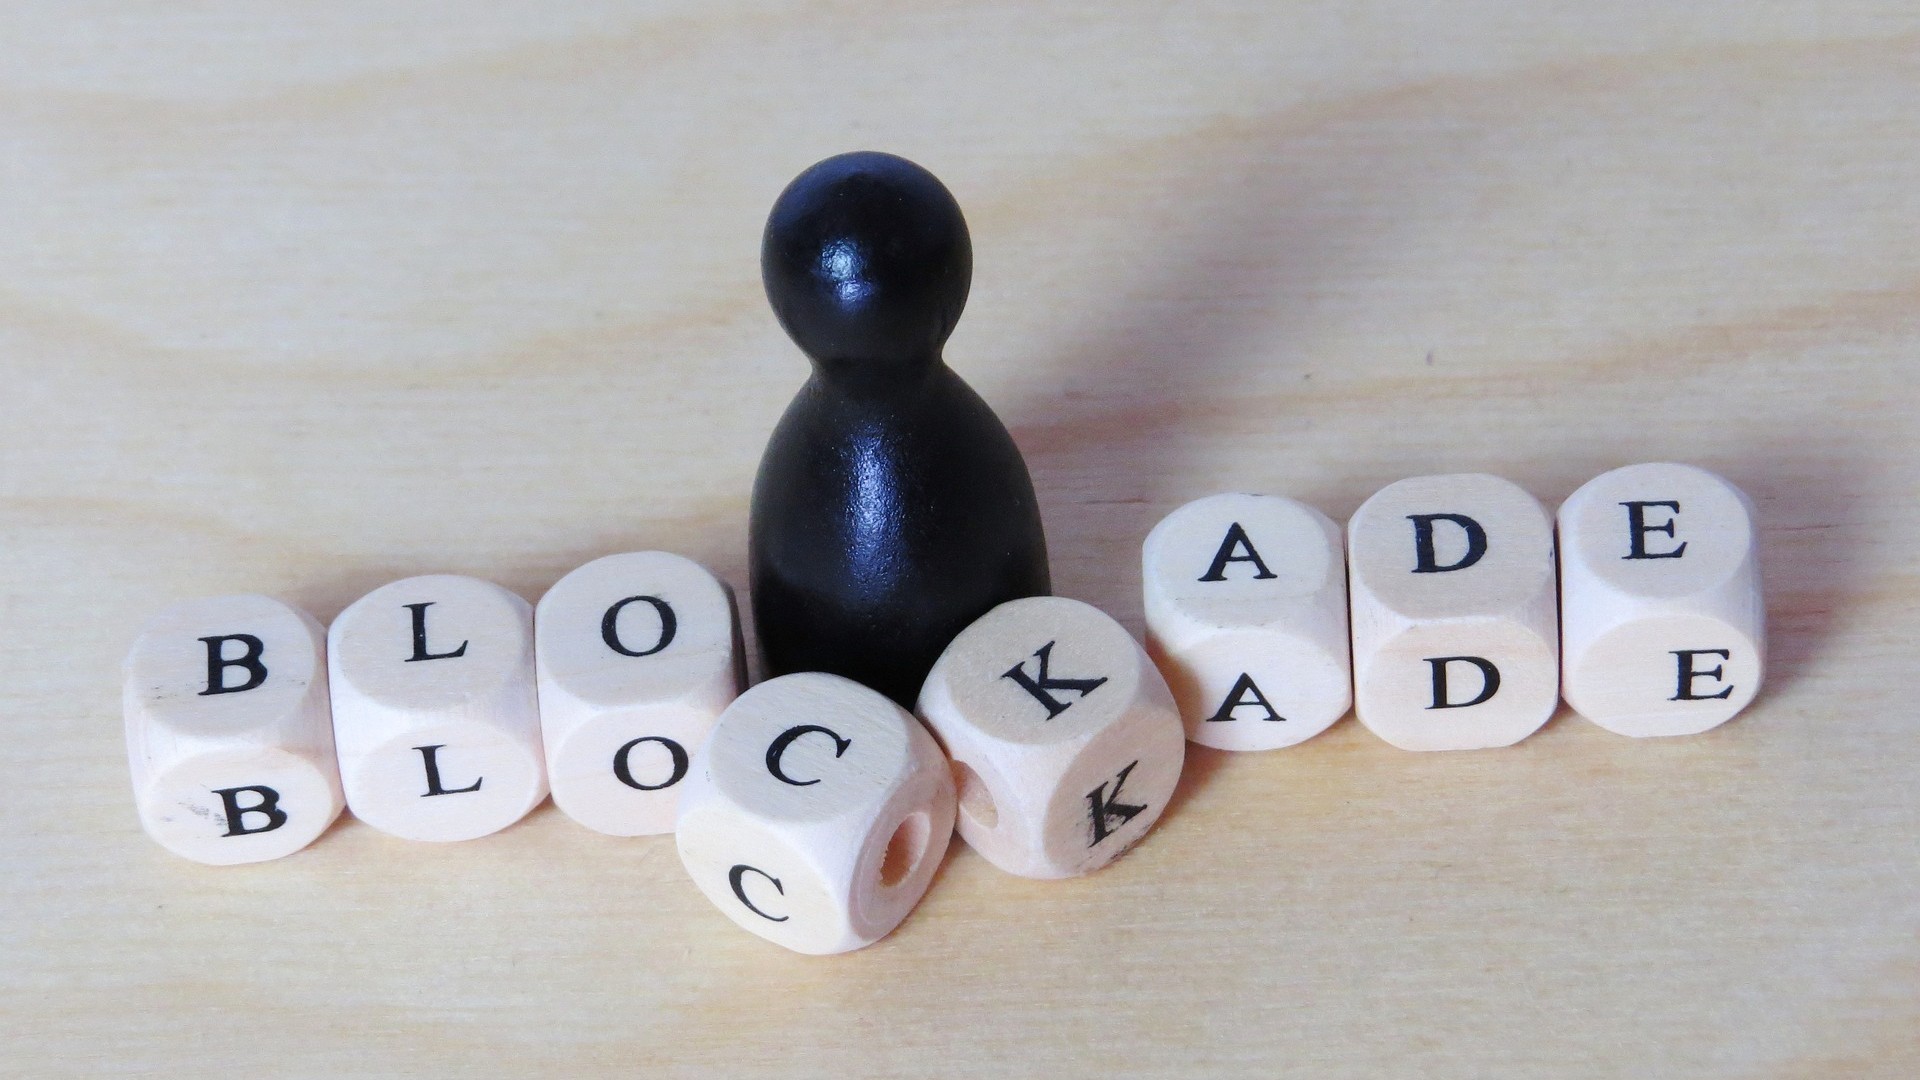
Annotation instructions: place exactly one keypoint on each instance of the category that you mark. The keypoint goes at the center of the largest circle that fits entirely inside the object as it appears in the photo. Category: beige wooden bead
(228, 736)
(816, 813)
(1065, 741)
(1664, 628)
(1246, 610)
(434, 709)
(1455, 635)
(637, 654)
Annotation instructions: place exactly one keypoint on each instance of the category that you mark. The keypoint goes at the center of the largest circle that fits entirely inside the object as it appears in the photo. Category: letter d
(1425, 561)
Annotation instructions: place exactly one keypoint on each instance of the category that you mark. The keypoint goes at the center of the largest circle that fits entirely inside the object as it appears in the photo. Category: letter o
(623, 772)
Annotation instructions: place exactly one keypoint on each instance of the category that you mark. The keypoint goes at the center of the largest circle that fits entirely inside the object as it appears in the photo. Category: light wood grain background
(305, 298)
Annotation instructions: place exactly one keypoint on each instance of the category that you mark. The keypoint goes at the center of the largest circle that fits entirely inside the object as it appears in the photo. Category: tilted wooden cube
(1065, 741)
(1454, 613)
(434, 709)
(1246, 608)
(1664, 628)
(816, 813)
(637, 654)
(228, 735)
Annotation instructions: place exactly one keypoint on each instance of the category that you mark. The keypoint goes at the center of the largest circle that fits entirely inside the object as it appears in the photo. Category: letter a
(1244, 692)
(1236, 540)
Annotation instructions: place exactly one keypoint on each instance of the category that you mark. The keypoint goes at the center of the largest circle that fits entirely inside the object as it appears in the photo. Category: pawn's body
(891, 508)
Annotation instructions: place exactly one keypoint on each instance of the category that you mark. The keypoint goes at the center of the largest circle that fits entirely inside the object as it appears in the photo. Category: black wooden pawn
(891, 508)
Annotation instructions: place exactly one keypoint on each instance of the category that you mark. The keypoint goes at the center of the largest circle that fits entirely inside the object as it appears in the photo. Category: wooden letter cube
(1246, 604)
(1455, 630)
(637, 655)
(1064, 738)
(434, 710)
(1660, 600)
(228, 736)
(816, 813)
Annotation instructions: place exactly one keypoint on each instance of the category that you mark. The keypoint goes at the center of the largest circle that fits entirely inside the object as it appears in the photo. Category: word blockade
(445, 708)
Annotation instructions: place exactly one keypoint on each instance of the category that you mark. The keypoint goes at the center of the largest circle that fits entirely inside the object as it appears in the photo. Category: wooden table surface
(304, 303)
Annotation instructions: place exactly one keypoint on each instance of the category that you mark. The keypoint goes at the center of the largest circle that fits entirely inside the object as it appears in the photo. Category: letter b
(218, 663)
(231, 766)
(267, 805)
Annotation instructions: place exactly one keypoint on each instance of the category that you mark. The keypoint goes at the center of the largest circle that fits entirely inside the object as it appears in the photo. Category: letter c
(786, 739)
(733, 878)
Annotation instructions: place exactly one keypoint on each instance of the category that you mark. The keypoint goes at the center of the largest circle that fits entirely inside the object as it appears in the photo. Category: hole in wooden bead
(975, 800)
(905, 849)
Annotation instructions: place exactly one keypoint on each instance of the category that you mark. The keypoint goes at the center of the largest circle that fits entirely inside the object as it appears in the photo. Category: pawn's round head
(866, 262)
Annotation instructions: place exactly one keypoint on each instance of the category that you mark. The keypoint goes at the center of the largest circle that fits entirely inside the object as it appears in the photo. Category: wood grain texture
(304, 303)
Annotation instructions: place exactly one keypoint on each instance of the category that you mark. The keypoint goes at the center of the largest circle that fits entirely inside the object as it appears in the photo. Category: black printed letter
(1105, 808)
(217, 665)
(1039, 685)
(610, 628)
(1489, 676)
(420, 636)
(1637, 530)
(1236, 539)
(786, 739)
(1688, 673)
(1244, 692)
(269, 806)
(431, 754)
(676, 752)
(1425, 561)
(733, 878)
